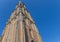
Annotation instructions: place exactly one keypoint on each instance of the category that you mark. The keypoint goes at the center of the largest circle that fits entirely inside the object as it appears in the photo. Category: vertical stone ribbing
(13, 31)
(36, 34)
(11, 34)
(21, 27)
(5, 34)
(27, 30)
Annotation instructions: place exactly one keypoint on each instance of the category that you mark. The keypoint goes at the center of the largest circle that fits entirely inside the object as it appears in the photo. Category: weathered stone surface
(0, 38)
(20, 27)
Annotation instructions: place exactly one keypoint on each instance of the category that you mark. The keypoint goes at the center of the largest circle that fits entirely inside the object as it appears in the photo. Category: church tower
(20, 27)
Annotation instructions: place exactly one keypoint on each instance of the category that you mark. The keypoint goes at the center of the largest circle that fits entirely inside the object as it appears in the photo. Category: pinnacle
(21, 4)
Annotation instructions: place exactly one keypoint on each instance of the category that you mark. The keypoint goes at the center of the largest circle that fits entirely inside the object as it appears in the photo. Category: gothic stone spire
(20, 27)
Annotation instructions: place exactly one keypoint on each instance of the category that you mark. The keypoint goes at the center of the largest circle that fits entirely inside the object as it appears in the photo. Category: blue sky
(45, 13)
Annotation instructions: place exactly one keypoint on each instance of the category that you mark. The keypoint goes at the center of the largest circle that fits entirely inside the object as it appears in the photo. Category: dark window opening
(32, 40)
(29, 29)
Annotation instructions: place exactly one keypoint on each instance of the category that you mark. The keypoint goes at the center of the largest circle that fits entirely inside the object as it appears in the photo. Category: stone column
(16, 35)
(13, 32)
(20, 28)
(16, 29)
(24, 31)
